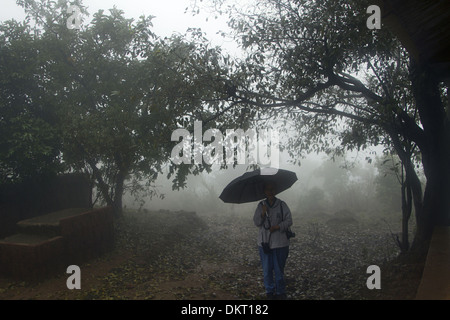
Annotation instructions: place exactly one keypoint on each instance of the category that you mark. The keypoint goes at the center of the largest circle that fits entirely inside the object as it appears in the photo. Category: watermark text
(235, 147)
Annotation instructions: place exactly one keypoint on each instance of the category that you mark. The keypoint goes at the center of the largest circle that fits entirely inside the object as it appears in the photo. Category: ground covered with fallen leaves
(184, 255)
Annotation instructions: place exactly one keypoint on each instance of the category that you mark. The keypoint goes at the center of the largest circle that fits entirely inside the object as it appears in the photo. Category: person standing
(273, 218)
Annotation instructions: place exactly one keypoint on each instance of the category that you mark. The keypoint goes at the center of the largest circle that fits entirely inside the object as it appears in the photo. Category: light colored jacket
(278, 238)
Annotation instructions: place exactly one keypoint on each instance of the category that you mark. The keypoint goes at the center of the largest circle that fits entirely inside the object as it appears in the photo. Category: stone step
(25, 239)
(49, 243)
(47, 225)
(28, 256)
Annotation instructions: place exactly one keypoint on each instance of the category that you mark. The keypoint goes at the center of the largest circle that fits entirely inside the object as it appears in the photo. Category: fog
(323, 186)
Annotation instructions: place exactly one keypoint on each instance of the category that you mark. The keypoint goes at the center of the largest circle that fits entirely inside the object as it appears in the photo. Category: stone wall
(34, 256)
(87, 235)
(28, 261)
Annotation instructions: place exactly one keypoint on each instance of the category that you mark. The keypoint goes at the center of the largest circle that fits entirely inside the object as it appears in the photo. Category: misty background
(354, 183)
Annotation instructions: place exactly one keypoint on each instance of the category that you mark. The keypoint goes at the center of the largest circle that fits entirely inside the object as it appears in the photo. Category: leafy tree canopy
(114, 92)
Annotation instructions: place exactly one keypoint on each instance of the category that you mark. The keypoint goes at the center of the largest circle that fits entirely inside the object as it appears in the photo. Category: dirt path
(156, 259)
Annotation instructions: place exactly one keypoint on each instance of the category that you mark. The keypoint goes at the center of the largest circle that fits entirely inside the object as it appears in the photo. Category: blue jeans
(274, 262)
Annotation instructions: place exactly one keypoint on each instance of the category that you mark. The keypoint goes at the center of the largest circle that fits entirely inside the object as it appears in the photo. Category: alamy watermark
(74, 21)
(235, 147)
(73, 281)
(374, 21)
(374, 281)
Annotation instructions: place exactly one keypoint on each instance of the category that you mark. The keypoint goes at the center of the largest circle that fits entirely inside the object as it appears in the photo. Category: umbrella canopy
(249, 187)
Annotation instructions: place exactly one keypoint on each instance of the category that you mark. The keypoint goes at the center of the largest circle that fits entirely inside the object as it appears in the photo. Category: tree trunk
(411, 190)
(435, 154)
(414, 194)
(118, 193)
(103, 187)
(113, 200)
(122, 170)
(406, 212)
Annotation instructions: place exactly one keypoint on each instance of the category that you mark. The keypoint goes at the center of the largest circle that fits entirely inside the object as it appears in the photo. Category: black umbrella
(249, 187)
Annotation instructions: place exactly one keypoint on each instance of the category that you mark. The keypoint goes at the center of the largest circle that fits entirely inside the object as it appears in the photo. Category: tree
(346, 87)
(30, 143)
(119, 92)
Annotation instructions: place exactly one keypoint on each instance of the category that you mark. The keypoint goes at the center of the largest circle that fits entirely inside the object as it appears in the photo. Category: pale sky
(170, 16)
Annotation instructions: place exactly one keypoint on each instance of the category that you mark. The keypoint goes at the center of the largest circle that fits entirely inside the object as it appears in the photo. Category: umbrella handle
(266, 214)
(264, 205)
